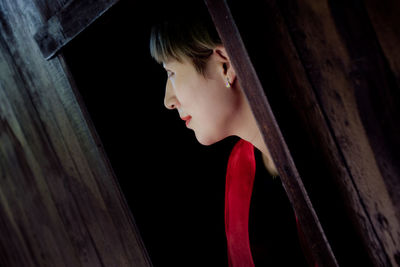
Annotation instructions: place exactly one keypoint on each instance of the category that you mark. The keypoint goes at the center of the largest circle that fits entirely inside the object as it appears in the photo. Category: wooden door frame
(60, 29)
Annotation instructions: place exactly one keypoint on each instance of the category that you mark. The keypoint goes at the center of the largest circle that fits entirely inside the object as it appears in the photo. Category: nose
(170, 100)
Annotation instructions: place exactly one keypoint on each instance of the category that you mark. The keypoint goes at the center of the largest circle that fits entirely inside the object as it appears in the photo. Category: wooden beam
(60, 202)
(359, 99)
(252, 87)
(66, 24)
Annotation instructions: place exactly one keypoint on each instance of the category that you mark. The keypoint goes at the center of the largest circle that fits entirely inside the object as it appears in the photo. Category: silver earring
(228, 84)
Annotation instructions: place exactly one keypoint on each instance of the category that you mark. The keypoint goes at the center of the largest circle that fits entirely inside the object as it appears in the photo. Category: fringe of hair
(179, 40)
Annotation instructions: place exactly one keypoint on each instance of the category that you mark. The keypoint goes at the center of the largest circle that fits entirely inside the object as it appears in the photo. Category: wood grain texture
(255, 94)
(351, 81)
(332, 82)
(68, 22)
(313, 146)
(60, 203)
(385, 17)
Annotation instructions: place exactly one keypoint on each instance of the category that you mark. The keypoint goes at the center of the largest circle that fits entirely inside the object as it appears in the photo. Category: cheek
(219, 104)
(214, 102)
(186, 91)
(214, 120)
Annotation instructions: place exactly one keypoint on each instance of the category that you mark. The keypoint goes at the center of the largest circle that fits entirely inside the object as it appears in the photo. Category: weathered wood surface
(68, 22)
(250, 83)
(60, 204)
(331, 74)
(357, 94)
(385, 19)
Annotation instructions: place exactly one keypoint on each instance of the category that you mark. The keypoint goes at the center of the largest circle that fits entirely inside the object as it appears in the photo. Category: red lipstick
(187, 119)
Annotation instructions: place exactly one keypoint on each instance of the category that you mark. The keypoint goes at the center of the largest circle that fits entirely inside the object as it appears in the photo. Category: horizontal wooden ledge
(67, 23)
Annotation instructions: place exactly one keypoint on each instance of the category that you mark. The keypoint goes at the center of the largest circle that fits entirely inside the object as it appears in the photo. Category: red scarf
(238, 190)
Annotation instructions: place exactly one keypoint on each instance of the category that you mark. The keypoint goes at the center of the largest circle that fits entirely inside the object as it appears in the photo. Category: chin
(206, 143)
(207, 140)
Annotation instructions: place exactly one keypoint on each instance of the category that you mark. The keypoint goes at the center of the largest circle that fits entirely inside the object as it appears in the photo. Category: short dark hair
(185, 37)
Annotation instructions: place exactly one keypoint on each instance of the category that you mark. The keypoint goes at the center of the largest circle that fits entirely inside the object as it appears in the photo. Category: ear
(225, 64)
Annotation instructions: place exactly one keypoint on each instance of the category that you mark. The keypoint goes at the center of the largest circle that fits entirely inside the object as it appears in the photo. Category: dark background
(174, 186)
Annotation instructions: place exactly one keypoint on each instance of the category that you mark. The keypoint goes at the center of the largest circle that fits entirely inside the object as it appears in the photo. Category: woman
(203, 87)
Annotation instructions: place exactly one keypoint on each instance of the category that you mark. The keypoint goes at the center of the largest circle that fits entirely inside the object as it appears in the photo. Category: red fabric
(239, 186)
(238, 190)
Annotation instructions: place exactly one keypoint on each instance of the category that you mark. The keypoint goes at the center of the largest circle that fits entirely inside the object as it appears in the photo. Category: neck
(248, 130)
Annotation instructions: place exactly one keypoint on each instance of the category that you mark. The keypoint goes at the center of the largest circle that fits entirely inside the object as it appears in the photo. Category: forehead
(175, 64)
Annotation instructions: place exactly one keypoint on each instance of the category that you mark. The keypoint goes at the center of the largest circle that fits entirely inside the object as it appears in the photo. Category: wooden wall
(60, 204)
(330, 72)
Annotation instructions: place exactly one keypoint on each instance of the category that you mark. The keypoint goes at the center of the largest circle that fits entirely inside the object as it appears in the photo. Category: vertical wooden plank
(61, 202)
(271, 133)
(385, 98)
(29, 206)
(351, 81)
(376, 91)
(311, 141)
(385, 19)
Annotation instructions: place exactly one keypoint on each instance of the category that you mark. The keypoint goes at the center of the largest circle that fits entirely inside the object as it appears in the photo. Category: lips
(187, 119)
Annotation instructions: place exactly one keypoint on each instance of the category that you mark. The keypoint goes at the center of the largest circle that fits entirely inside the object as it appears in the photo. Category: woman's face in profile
(202, 101)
